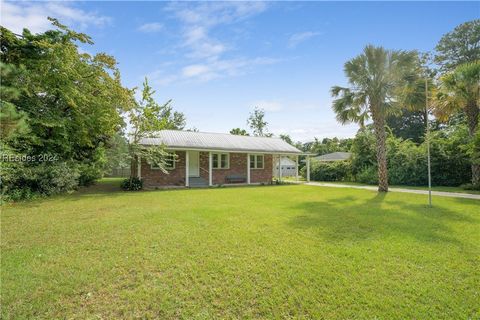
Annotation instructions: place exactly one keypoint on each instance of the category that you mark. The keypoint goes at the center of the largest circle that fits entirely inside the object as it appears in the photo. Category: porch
(199, 168)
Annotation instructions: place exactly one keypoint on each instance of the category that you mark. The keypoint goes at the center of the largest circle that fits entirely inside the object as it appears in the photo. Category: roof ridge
(221, 133)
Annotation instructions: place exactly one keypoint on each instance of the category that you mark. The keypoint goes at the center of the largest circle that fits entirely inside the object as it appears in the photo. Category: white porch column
(279, 168)
(139, 167)
(296, 168)
(308, 168)
(248, 168)
(210, 166)
(186, 169)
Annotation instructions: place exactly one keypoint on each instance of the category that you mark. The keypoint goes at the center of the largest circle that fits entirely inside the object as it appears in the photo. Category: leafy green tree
(287, 139)
(460, 90)
(256, 122)
(363, 150)
(77, 107)
(460, 46)
(408, 125)
(239, 132)
(375, 79)
(148, 117)
(329, 145)
(117, 153)
(71, 103)
(12, 122)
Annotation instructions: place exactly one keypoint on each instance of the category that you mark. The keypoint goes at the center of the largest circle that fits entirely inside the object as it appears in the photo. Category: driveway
(373, 188)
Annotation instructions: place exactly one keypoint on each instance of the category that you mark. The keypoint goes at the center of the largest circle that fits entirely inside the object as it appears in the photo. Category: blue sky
(217, 60)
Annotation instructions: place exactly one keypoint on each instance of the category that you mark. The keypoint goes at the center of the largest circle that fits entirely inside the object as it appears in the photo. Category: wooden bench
(235, 179)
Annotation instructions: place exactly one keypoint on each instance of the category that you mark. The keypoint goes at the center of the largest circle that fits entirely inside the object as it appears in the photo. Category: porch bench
(235, 179)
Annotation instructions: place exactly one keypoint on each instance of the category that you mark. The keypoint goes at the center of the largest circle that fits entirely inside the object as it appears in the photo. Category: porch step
(197, 182)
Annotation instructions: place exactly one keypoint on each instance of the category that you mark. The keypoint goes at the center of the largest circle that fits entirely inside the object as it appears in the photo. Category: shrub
(407, 162)
(451, 164)
(89, 173)
(36, 180)
(330, 171)
(470, 186)
(368, 175)
(132, 184)
(54, 178)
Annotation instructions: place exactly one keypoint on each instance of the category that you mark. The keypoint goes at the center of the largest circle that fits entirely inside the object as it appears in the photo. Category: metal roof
(190, 140)
(335, 156)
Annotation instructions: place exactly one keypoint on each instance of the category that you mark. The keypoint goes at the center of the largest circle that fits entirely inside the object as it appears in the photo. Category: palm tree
(375, 79)
(460, 90)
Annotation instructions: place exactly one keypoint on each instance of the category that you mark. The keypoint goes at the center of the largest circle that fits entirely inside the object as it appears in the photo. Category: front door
(193, 163)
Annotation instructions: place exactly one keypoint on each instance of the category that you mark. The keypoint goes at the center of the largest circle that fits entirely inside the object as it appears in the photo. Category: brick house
(207, 159)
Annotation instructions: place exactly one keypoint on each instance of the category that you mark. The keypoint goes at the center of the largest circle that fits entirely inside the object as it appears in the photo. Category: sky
(219, 60)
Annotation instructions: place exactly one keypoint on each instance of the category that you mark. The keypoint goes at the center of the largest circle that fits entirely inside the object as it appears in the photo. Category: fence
(119, 172)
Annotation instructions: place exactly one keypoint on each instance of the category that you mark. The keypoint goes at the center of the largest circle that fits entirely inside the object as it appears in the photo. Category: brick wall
(176, 177)
(156, 178)
(263, 175)
(238, 167)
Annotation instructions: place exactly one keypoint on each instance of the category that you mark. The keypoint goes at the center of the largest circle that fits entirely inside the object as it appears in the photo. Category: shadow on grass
(354, 219)
(112, 189)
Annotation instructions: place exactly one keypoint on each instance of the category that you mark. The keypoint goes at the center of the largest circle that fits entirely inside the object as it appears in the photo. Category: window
(169, 162)
(256, 161)
(220, 160)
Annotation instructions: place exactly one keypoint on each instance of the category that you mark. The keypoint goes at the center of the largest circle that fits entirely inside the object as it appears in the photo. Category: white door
(193, 164)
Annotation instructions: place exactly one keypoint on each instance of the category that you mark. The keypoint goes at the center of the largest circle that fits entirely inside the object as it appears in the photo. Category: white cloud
(195, 70)
(150, 27)
(33, 16)
(206, 54)
(298, 38)
(268, 105)
(200, 44)
(213, 13)
(200, 18)
(206, 70)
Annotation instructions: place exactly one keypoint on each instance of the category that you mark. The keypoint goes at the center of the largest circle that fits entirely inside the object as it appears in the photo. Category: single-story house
(334, 156)
(207, 159)
(288, 167)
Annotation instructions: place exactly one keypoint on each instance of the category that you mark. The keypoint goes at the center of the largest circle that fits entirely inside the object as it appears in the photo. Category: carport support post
(308, 168)
(280, 168)
(187, 160)
(210, 169)
(248, 168)
(296, 168)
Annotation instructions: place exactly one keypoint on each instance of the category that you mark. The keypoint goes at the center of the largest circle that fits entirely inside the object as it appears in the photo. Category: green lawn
(257, 252)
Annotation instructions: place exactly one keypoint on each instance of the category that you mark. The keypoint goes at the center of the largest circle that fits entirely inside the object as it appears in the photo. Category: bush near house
(407, 161)
(132, 184)
(329, 171)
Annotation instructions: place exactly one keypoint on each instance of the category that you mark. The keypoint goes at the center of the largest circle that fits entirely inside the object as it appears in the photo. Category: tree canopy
(459, 46)
(239, 132)
(68, 115)
(256, 121)
(376, 78)
(147, 117)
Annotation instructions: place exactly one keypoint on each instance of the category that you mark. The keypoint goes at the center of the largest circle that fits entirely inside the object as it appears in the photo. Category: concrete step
(197, 182)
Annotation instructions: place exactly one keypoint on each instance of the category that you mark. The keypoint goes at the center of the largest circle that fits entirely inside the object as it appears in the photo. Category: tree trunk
(472, 111)
(381, 137)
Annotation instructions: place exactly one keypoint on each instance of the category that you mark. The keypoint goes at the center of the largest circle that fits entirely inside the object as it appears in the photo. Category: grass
(256, 252)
